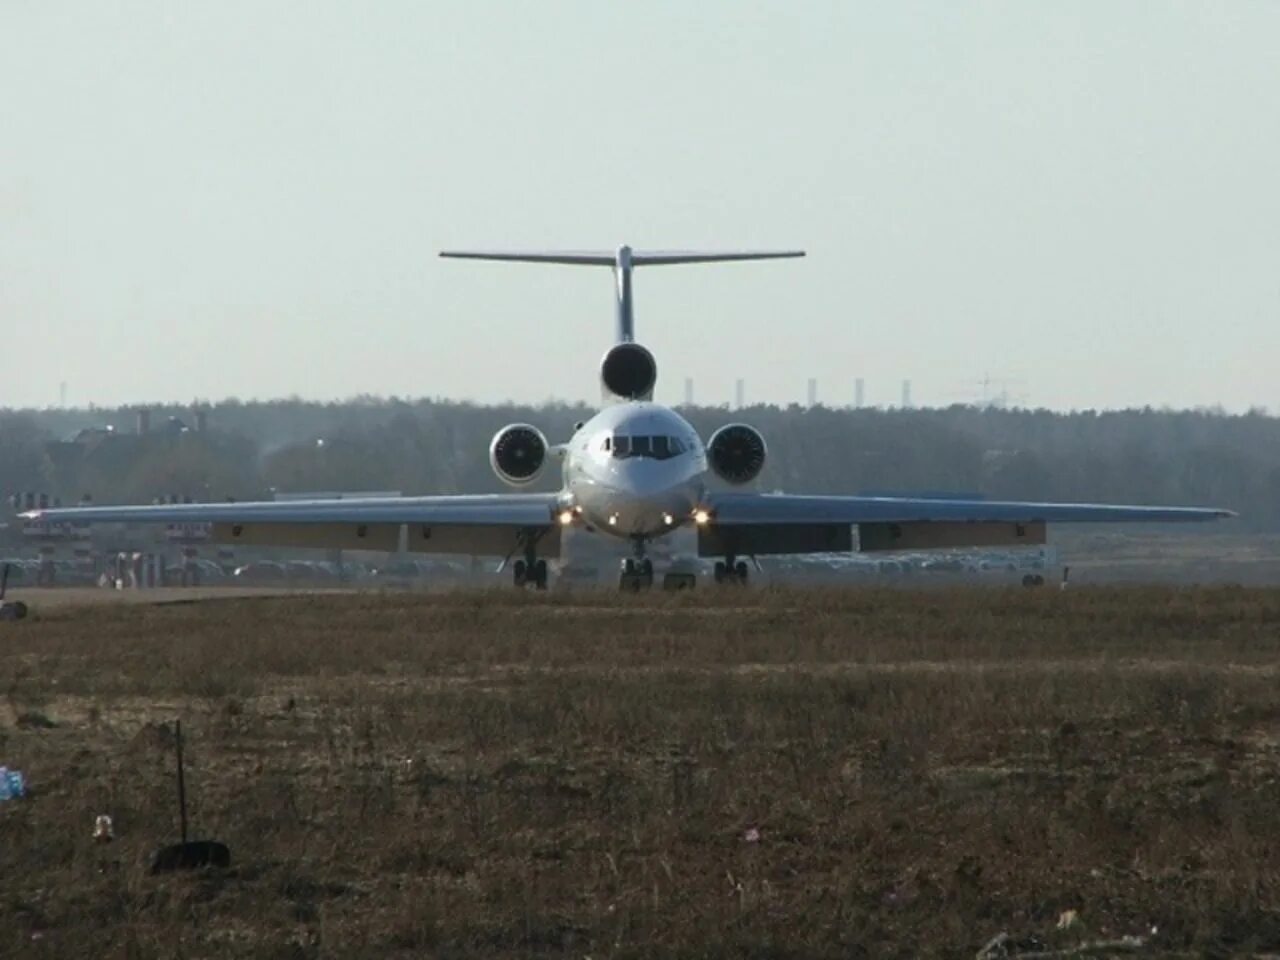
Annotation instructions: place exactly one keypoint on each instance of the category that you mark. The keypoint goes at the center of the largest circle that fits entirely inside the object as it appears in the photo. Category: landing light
(613, 520)
(668, 519)
(566, 517)
(700, 517)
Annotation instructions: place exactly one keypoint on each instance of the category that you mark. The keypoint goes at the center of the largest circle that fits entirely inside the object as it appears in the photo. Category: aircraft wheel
(540, 575)
(732, 572)
(520, 573)
(636, 575)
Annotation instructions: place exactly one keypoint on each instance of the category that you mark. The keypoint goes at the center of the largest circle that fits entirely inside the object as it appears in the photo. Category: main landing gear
(530, 573)
(730, 571)
(532, 570)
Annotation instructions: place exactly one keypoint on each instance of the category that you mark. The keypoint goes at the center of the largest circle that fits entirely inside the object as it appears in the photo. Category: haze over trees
(252, 449)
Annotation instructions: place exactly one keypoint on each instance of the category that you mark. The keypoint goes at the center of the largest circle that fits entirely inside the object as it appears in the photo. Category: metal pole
(182, 783)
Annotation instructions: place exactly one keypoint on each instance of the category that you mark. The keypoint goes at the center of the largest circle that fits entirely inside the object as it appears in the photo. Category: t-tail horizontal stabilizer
(622, 260)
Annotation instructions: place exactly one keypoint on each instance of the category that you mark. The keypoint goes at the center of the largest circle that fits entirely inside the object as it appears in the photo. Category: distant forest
(251, 449)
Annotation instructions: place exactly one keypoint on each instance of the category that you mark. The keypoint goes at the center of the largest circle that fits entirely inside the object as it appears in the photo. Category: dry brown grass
(493, 774)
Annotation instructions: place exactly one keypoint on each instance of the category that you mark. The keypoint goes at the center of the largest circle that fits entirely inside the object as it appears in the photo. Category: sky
(1078, 201)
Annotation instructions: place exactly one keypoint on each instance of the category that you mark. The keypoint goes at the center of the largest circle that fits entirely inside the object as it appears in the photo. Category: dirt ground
(762, 773)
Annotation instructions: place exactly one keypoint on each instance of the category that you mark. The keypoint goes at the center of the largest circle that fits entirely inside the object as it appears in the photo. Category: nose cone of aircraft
(648, 479)
(651, 497)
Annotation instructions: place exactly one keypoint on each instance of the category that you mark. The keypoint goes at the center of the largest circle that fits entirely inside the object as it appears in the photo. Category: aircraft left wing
(746, 524)
(495, 525)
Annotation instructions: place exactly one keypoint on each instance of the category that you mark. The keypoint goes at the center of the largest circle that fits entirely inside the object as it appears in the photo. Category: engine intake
(629, 371)
(518, 453)
(737, 453)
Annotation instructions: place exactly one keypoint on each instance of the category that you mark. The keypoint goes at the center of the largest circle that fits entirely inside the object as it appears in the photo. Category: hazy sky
(246, 198)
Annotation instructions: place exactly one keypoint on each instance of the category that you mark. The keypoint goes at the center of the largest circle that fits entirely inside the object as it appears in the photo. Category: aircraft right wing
(747, 524)
(482, 525)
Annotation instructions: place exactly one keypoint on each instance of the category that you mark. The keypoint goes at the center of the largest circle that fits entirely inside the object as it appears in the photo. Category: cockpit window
(653, 448)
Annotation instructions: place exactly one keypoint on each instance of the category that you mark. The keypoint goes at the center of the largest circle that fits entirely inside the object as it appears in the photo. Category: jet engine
(629, 371)
(736, 453)
(518, 453)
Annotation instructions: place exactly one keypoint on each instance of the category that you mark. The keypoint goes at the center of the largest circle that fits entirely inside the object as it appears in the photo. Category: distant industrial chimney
(906, 394)
(859, 393)
(739, 394)
(813, 392)
(144, 421)
(688, 391)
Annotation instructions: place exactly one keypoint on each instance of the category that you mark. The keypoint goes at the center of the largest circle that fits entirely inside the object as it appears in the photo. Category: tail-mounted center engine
(518, 453)
(629, 371)
(736, 453)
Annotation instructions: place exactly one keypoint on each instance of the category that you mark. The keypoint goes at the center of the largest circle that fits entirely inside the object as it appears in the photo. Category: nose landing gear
(637, 572)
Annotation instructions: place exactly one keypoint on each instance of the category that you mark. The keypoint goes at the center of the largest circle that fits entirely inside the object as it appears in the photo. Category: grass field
(782, 774)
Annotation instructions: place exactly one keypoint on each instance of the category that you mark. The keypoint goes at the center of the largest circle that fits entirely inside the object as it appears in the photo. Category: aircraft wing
(481, 525)
(747, 524)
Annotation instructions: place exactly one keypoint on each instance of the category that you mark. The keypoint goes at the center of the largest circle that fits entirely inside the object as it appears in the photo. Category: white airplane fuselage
(646, 489)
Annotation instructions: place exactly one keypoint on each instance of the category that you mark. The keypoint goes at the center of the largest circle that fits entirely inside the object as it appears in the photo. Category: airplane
(637, 471)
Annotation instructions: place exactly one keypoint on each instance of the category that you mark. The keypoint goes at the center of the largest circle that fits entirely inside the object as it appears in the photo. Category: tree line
(252, 449)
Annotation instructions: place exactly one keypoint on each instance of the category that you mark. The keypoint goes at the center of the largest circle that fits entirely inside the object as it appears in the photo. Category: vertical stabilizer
(626, 314)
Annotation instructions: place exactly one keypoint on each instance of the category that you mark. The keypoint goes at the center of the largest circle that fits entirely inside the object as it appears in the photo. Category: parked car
(262, 570)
